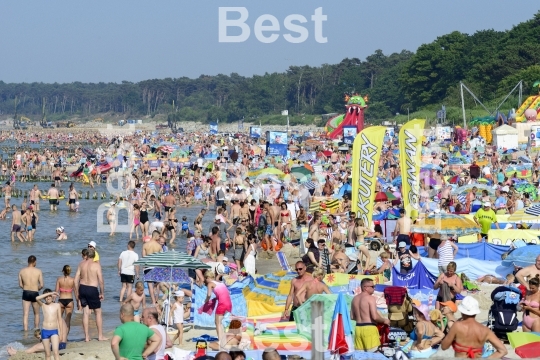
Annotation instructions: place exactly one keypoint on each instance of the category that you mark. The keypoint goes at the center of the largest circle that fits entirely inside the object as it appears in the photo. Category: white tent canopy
(505, 137)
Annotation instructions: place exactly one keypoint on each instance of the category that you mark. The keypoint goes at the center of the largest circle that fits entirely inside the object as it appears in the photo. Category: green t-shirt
(134, 336)
(485, 218)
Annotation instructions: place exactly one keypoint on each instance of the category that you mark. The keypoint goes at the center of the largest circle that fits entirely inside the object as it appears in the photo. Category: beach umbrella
(533, 210)
(272, 171)
(448, 224)
(310, 185)
(172, 259)
(509, 151)
(301, 171)
(525, 344)
(340, 339)
(520, 215)
(430, 167)
(523, 256)
(380, 196)
(161, 274)
(454, 179)
(309, 156)
(468, 187)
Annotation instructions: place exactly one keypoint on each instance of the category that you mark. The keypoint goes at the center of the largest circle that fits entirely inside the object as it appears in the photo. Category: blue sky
(111, 41)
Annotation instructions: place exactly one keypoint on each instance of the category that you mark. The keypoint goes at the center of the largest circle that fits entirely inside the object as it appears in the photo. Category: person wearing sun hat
(92, 245)
(426, 334)
(468, 337)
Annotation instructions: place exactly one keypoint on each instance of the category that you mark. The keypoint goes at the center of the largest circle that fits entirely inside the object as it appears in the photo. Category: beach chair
(284, 262)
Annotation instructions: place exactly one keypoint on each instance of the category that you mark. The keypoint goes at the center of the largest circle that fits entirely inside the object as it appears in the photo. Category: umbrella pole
(317, 333)
(169, 296)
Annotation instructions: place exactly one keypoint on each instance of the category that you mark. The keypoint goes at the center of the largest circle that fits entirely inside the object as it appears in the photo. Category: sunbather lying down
(490, 279)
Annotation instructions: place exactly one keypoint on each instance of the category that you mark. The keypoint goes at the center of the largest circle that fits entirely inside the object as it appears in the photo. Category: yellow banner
(367, 150)
(410, 152)
(505, 237)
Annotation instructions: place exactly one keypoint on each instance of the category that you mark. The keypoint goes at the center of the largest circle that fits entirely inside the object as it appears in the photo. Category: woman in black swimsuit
(143, 218)
(64, 286)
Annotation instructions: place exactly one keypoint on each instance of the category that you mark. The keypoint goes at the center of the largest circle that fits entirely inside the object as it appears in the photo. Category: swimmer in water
(4, 213)
(61, 233)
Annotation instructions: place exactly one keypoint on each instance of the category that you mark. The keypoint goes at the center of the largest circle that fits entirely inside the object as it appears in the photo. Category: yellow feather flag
(367, 149)
(410, 153)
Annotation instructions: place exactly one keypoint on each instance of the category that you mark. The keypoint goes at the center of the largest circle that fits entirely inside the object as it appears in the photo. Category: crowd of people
(254, 213)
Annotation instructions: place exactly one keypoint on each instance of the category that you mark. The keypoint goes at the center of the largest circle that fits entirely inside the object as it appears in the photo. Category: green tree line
(489, 62)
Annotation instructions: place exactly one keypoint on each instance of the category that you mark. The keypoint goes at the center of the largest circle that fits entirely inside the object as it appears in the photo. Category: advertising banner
(349, 133)
(410, 152)
(255, 132)
(367, 149)
(213, 128)
(276, 143)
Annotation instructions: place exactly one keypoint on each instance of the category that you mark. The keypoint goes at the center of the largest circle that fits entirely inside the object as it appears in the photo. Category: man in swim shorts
(53, 197)
(16, 218)
(364, 312)
(403, 228)
(31, 281)
(88, 278)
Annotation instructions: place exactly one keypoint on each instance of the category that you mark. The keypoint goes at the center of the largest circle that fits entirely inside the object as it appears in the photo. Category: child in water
(185, 225)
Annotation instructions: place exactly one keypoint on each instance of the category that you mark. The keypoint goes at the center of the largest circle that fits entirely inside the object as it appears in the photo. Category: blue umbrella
(523, 256)
(171, 275)
(509, 151)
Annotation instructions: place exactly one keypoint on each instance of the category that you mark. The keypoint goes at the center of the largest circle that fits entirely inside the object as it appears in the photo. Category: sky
(132, 40)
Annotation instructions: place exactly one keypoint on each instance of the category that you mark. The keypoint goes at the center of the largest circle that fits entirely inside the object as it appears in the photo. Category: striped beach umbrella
(533, 210)
(447, 224)
(172, 259)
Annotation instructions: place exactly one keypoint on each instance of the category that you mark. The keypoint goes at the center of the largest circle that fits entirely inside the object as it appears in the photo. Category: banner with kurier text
(367, 149)
(410, 152)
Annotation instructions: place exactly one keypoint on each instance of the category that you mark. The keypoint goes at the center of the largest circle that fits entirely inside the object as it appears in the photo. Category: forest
(489, 62)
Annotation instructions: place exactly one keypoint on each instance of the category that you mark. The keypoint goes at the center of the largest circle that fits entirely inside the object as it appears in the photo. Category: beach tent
(505, 137)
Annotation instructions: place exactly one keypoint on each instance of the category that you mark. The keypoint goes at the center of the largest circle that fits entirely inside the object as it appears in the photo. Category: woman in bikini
(358, 237)
(530, 305)
(285, 219)
(64, 286)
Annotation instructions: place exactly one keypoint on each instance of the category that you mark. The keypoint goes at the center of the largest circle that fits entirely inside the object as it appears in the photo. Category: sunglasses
(371, 286)
(300, 269)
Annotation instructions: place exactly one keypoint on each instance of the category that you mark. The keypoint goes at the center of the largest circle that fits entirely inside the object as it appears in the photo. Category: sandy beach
(101, 350)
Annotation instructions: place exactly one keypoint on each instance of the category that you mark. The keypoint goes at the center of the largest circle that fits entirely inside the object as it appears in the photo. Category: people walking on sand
(31, 281)
(88, 279)
(126, 270)
(65, 286)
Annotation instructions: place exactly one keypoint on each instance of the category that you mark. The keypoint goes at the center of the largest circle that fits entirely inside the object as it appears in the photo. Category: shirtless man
(467, 337)
(53, 197)
(168, 202)
(403, 228)
(527, 273)
(312, 287)
(57, 176)
(235, 213)
(16, 224)
(7, 193)
(73, 196)
(31, 281)
(88, 278)
(150, 248)
(296, 285)
(35, 194)
(364, 312)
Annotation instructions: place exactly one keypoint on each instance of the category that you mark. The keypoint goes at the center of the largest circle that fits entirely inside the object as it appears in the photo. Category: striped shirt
(446, 253)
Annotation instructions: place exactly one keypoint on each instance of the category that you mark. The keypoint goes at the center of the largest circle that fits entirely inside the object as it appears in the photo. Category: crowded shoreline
(255, 207)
